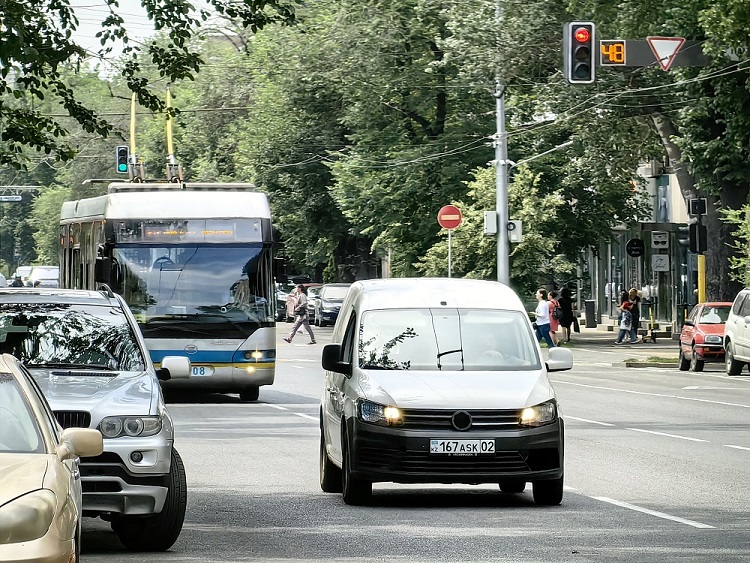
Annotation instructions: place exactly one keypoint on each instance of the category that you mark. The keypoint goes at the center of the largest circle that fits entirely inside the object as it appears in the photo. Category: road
(657, 469)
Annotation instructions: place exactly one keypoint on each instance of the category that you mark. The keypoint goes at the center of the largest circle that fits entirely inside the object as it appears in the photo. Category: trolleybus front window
(211, 290)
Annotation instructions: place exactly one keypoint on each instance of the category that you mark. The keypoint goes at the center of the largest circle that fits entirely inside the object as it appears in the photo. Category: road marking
(587, 420)
(701, 388)
(629, 506)
(295, 360)
(665, 434)
(736, 447)
(277, 407)
(315, 418)
(695, 399)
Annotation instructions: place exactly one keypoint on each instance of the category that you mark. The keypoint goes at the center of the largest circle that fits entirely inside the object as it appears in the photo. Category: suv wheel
(160, 531)
(548, 493)
(733, 366)
(355, 491)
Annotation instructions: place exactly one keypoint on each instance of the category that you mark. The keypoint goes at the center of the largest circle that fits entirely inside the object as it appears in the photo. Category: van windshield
(447, 340)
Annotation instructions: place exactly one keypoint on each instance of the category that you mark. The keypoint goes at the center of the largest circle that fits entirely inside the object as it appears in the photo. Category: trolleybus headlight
(116, 426)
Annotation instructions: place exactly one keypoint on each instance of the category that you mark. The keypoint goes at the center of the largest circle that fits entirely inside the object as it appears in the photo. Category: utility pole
(501, 166)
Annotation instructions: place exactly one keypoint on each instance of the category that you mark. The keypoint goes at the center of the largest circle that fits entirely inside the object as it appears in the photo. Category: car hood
(457, 389)
(21, 474)
(124, 392)
(712, 329)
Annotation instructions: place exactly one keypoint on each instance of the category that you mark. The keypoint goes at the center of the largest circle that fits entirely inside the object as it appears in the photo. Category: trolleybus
(195, 264)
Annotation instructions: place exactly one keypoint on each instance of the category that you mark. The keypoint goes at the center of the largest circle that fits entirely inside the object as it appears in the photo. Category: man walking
(300, 318)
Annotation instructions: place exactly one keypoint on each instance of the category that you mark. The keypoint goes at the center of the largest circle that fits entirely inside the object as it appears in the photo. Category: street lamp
(504, 166)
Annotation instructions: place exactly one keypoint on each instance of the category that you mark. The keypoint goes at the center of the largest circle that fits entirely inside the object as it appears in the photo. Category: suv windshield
(61, 335)
(447, 339)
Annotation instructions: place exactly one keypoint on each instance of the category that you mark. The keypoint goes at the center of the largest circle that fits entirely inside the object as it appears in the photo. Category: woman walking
(542, 318)
(300, 312)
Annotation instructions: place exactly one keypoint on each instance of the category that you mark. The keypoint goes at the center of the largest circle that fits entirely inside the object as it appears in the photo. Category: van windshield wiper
(456, 351)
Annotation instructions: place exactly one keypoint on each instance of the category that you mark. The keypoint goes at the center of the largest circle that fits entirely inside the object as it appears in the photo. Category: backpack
(557, 312)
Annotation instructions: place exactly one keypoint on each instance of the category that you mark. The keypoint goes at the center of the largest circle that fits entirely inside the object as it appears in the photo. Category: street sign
(697, 206)
(665, 49)
(635, 247)
(449, 217)
(10, 198)
(660, 262)
(660, 239)
(636, 52)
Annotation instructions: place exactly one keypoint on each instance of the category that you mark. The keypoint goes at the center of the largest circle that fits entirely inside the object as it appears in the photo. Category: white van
(439, 381)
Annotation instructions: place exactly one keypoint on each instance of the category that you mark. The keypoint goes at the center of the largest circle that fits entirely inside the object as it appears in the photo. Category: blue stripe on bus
(207, 356)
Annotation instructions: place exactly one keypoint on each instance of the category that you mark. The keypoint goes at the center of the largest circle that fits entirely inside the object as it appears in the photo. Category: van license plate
(462, 447)
(202, 371)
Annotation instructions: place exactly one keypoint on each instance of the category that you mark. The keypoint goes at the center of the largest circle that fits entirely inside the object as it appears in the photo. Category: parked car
(439, 381)
(737, 334)
(22, 272)
(40, 492)
(44, 276)
(87, 355)
(3, 281)
(702, 335)
(329, 302)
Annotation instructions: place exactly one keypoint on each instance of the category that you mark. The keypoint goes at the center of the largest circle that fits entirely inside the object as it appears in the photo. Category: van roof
(409, 293)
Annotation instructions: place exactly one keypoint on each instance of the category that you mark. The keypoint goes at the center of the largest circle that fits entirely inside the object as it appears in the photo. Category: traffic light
(123, 159)
(579, 39)
(698, 238)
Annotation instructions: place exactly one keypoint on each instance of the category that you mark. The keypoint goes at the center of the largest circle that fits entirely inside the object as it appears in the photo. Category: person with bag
(542, 318)
(555, 316)
(635, 310)
(568, 318)
(300, 315)
(626, 318)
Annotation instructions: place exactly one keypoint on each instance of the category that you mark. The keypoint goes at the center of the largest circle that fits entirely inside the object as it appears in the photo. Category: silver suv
(737, 334)
(88, 356)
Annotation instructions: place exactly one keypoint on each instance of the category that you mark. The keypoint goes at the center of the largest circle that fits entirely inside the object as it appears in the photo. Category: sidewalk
(605, 338)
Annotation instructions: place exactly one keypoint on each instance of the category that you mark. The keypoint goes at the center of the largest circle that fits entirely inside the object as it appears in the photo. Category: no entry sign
(449, 217)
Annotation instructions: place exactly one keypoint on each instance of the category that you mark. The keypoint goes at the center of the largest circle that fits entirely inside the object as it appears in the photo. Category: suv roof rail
(106, 290)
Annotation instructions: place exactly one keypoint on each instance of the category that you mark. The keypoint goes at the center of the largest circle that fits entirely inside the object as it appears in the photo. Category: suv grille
(73, 419)
(442, 419)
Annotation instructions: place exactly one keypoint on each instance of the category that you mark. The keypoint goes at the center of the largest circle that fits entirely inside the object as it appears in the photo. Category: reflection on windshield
(714, 315)
(19, 430)
(203, 290)
(58, 335)
(446, 339)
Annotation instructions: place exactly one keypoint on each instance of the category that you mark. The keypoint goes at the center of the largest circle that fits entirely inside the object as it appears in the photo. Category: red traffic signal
(579, 39)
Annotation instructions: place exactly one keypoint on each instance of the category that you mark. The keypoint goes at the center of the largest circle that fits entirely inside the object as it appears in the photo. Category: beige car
(40, 483)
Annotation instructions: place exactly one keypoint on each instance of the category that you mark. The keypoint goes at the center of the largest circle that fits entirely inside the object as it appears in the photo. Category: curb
(672, 365)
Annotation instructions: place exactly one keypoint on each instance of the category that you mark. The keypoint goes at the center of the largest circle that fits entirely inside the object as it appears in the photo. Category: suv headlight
(28, 517)
(374, 413)
(540, 414)
(116, 426)
(712, 339)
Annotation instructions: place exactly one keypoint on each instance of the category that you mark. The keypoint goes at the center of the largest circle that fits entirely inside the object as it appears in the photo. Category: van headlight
(374, 413)
(117, 426)
(540, 414)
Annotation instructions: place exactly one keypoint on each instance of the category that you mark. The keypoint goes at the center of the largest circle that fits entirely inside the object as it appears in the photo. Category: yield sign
(665, 49)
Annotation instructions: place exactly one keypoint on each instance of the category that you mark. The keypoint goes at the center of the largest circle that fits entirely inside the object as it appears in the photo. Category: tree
(37, 46)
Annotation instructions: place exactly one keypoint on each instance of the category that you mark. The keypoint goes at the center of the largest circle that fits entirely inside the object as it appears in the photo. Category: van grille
(441, 419)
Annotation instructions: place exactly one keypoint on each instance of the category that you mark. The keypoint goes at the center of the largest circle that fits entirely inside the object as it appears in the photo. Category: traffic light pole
(501, 171)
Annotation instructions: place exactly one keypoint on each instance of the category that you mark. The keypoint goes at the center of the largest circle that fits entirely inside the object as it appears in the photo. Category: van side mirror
(559, 359)
(332, 360)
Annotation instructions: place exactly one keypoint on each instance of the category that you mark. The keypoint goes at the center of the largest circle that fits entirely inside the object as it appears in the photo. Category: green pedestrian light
(123, 158)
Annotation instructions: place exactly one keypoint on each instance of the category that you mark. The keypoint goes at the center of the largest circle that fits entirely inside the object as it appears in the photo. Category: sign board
(660, 239)
(10, 198)
(449, 217)
(636, 52)
(697, 206)
(635, 247)
(660, 262)
(665, 49)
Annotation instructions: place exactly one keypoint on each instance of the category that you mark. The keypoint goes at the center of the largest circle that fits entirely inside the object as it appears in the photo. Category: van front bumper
(403, 456)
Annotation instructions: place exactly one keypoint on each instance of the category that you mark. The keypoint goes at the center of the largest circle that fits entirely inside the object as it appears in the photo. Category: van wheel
(160, 531)
(507, 486)
(696, 362)
(356, 491)
(330, 475)
(734, 367)
(684, 362)
(548, 493)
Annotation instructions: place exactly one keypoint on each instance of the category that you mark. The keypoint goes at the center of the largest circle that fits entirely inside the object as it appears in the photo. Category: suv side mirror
(332, 360)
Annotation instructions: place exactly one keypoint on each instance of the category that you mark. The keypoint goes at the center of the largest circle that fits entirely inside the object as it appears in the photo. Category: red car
(701, 339)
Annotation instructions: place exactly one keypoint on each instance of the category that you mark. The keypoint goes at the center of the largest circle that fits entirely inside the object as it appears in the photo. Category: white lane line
(665, 434)
(629, 506)
(278, 407)
(303, 415)
(736, 447)
(292, 360)
(694, 399)
(587, 420)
